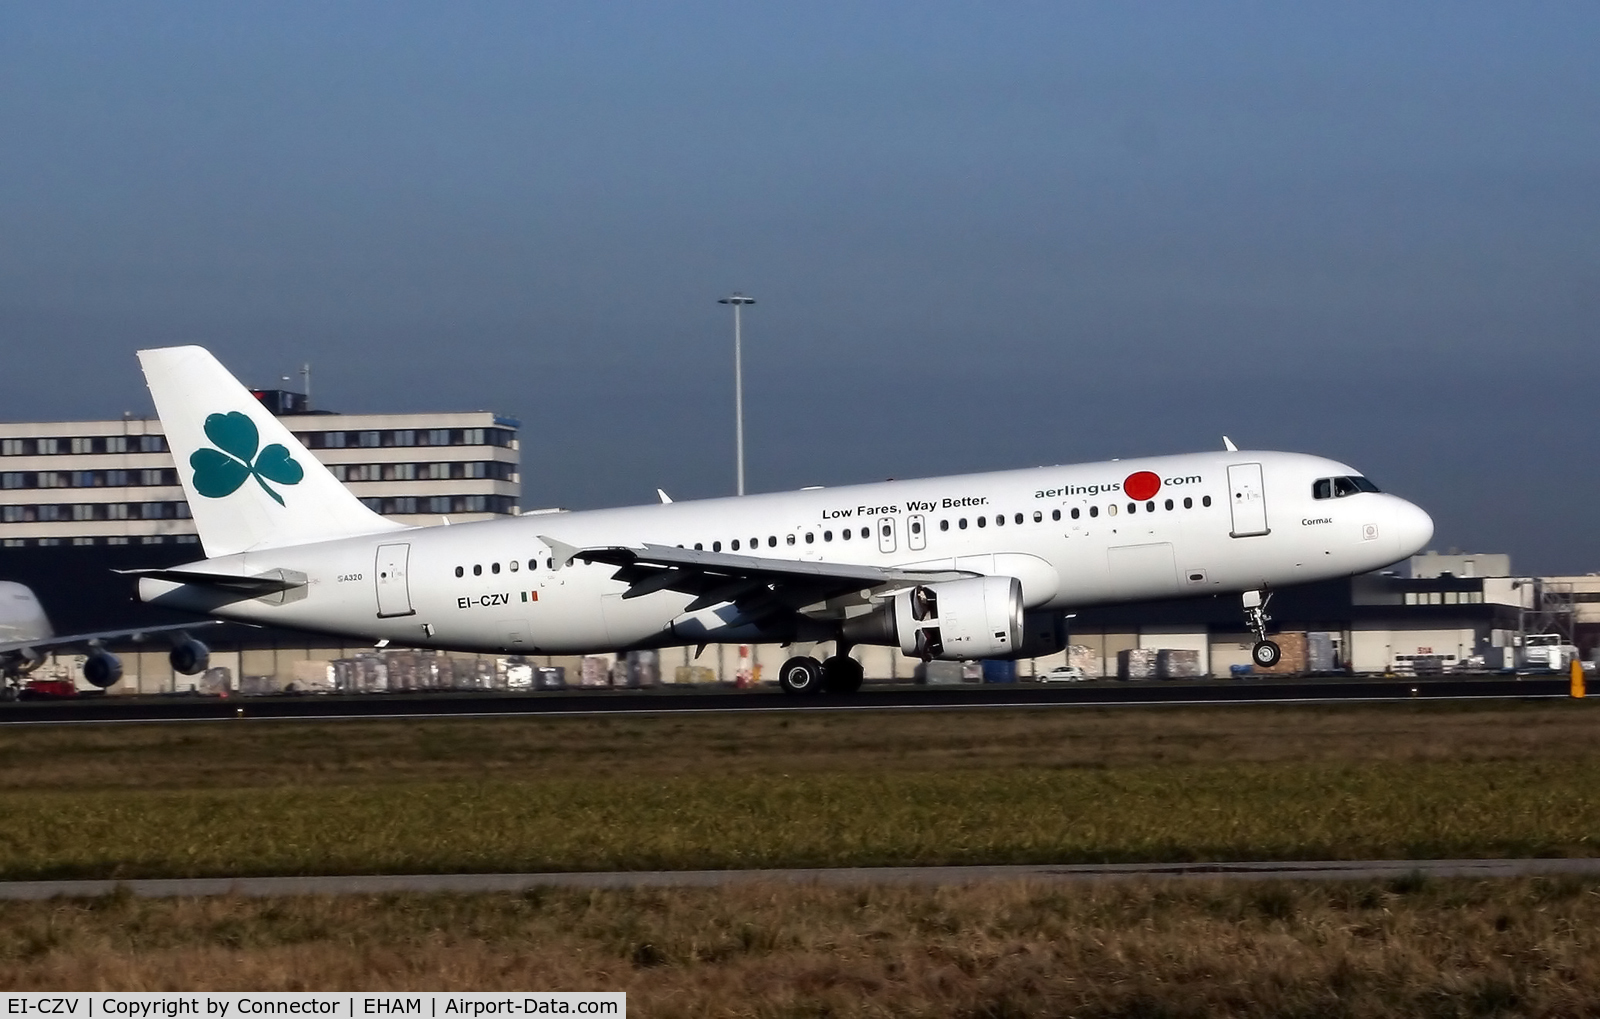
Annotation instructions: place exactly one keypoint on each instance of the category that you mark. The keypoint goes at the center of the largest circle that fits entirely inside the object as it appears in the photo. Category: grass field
(1406, 948)
(856, 788)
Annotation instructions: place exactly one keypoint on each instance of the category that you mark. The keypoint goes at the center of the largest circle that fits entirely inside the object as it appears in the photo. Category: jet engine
(980, 617)
(102, 668)
(1043, 633)
(190, 657)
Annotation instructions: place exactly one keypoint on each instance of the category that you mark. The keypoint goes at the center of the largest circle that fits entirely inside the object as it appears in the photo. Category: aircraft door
(1248, 501)
(916, 532)
(394, 588)
(886, 536)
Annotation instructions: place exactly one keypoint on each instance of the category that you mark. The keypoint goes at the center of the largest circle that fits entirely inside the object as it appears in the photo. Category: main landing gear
(1264, 653)
(805, 675)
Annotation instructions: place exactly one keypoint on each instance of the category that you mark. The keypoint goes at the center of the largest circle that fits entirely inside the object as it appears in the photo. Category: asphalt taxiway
(873, 698)
(384, 884)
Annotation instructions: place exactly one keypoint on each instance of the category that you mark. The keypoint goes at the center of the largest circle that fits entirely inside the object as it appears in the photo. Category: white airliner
(26, 637)
(961, 567)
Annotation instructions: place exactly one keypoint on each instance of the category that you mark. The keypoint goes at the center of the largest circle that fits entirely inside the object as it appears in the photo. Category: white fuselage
(1073, 535)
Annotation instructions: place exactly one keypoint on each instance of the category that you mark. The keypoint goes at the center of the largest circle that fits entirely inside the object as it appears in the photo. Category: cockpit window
(1338, 488)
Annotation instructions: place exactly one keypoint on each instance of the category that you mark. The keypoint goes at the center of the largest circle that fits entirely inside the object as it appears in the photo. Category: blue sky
(981, 235)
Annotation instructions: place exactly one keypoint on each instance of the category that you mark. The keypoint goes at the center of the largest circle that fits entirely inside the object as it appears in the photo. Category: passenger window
(772, 541)
(983, 521)
(1206, 501)
(1322, 488)
(755, 542)
(962, 523)
(1188, 503)
(533, 564)
(865, 533)
(1074, 514)
(827, 535)
(716, 546)
(460, 572)
(999, 519)
(699, 547)
(514, 565)
(944, 525)
(916, 527)
(477, 571)
(1150, 507)
(1169, 504)
(550, 562)
(1133, 507)
(810, 538)
(735, 545)
(1038, 516)
(887, 530)
(847, 534)
(791, 539)
(1111, 510)
(1094, 511)
(494, 567)
(1018, 519)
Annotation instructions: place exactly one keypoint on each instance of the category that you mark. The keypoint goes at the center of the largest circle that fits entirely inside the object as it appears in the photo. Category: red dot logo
(1142, 485)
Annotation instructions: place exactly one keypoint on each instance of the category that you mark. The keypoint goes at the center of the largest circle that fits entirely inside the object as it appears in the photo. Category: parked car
(1064, 674)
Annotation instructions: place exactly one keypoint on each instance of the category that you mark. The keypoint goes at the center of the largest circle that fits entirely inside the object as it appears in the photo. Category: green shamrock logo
(219, 472)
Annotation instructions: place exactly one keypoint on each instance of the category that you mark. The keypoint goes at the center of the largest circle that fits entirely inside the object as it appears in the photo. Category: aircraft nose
(1412, 527)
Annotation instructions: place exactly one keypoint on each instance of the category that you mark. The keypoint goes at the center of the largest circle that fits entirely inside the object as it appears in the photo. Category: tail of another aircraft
(250, 483)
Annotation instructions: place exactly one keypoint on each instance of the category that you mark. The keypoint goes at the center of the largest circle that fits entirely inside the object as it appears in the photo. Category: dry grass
(829, 789)
(1147, 949)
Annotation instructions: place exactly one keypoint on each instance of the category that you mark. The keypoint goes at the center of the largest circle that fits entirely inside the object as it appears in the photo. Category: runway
(383, 884)
(882, 698)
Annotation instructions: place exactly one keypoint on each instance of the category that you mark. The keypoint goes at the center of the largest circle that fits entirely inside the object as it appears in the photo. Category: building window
(371, 439)
(152, 443)
(14, 447)
(48, 447)
(116, 444)
(404, 437)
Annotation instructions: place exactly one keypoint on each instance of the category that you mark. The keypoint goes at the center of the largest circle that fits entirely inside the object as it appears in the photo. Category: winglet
(559, 550)
(1228, 445)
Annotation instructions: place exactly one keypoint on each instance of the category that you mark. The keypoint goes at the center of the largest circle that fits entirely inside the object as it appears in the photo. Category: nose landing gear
(1265, 653)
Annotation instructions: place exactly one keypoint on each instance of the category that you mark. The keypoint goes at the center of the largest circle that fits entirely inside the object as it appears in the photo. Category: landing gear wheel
(801, 675)
(1265, 654)
(842, 674)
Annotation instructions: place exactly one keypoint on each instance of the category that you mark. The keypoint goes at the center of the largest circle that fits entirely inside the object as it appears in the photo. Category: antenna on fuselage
(1228, 445)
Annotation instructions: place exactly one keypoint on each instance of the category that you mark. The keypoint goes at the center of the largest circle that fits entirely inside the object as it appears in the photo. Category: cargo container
(1178, 663)
(999, 671)
(1136, 663)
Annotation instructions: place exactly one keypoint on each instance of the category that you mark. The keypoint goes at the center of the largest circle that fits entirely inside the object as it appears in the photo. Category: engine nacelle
(190, 657)
(102, 669)
(1043, 633)
(958, 619)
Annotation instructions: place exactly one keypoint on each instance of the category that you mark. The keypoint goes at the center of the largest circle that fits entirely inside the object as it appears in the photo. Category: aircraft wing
(85, 639)
(761, 588)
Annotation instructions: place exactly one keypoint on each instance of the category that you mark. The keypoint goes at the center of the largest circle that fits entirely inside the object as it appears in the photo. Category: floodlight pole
(738, 301)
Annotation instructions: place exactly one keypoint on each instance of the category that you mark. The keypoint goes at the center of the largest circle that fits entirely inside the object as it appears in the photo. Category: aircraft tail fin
(250, 483)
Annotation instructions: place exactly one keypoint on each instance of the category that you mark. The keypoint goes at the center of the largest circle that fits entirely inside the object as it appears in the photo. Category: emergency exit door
(389, 573)
(1248, 501)
(886, 542)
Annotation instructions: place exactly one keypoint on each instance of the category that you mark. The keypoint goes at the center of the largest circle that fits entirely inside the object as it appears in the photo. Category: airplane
(26, 636)
(955, 568)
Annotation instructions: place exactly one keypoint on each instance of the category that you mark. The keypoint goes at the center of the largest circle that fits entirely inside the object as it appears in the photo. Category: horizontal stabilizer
(265, 583)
